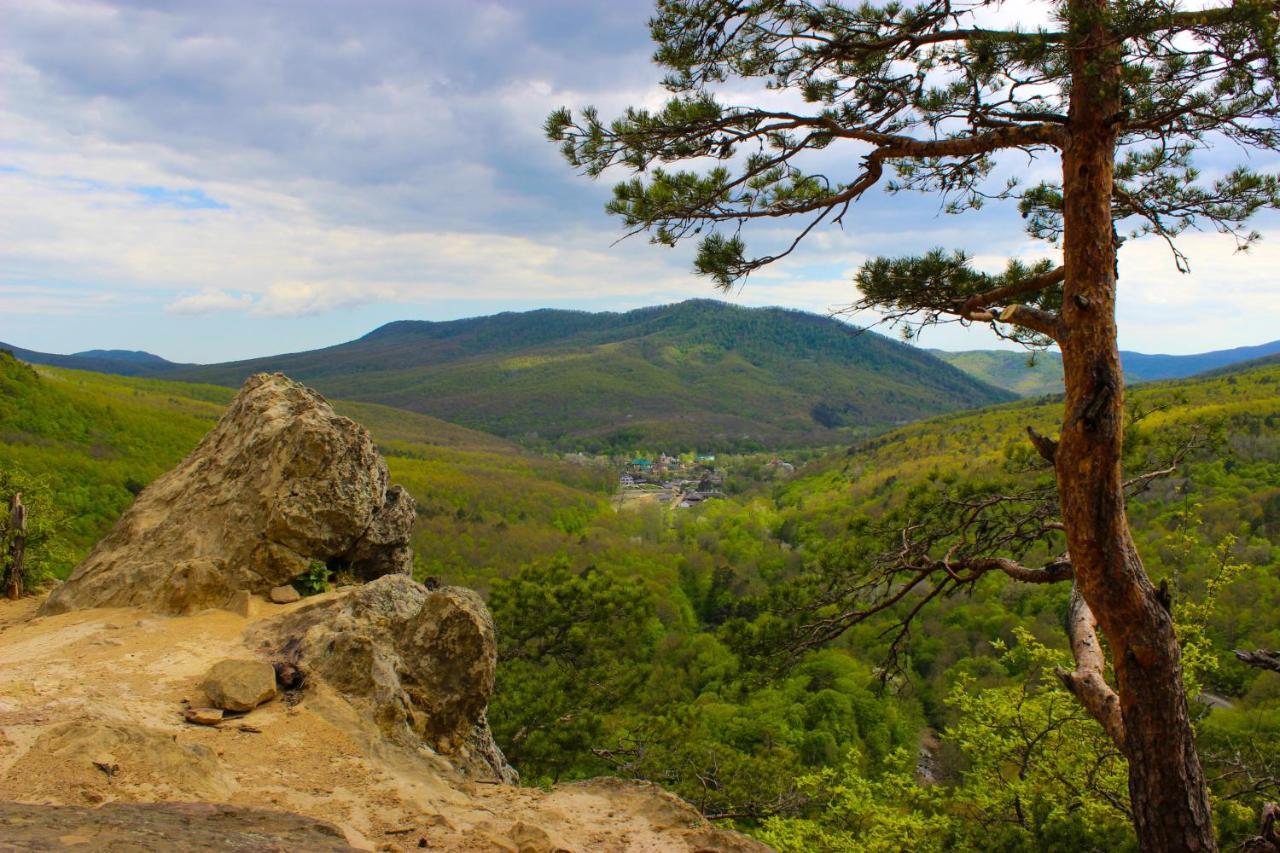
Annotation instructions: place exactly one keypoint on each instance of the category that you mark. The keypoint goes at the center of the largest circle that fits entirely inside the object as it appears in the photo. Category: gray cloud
(415, 114)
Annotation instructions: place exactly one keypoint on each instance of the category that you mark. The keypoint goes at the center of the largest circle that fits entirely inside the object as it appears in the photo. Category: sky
(227, 179)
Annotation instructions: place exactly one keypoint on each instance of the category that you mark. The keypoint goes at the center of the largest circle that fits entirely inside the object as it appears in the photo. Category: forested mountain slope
(699, 374)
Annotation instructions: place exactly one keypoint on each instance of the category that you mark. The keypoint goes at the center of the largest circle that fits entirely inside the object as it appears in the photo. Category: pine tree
(924, 98)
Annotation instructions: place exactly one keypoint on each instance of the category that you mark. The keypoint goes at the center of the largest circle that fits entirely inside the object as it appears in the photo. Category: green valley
(671, 645)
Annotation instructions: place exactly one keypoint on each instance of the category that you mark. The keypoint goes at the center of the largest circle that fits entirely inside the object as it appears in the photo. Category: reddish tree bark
(1166, 784)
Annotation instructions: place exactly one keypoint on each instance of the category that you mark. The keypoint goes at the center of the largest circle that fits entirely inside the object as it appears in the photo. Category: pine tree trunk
(1166, 784)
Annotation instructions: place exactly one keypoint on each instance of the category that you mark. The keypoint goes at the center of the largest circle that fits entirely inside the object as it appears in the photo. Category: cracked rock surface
(420, 662)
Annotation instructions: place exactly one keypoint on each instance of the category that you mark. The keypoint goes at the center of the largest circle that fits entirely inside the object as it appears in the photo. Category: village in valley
(676, 481)
(679, 482)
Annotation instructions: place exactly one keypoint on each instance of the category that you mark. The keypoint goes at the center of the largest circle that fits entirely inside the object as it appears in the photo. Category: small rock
(240, 685)
(284, 594)
(425, 659)
(203, 716)
(243, 603)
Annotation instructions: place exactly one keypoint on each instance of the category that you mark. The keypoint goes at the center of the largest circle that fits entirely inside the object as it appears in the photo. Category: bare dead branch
(1045, 446)
(1261, 658)
(1268, 838)
(1036, 319)
(1088, 682)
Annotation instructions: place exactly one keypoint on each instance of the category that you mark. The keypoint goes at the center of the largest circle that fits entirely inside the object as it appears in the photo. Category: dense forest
(668, 645)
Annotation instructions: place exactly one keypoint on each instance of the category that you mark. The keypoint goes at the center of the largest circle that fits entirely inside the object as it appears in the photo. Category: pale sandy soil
(98, 689)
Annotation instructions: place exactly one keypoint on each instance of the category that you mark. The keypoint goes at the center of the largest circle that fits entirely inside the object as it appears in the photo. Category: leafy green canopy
(926, 99)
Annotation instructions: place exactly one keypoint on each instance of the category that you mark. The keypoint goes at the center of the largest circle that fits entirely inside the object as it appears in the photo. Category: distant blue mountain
(1017, 372)
(1139, 367)
(133, 356)
(120, 362)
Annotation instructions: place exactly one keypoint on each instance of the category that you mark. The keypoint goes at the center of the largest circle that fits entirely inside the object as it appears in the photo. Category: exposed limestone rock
(156, 827)
(422, 660)
(284, 594)
(281, 481)
(384, 548)
(240, 685)
(683, 828)
(322, 758)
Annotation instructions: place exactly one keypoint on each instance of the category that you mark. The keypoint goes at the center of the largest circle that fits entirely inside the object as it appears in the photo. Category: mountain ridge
(115, 361)
(1032, 374)
(699, 373)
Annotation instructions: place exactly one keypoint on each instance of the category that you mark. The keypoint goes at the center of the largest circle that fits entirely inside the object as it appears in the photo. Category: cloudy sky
(225, 179)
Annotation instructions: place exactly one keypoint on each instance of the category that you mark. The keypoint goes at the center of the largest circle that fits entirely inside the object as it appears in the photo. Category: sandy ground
(91, 709)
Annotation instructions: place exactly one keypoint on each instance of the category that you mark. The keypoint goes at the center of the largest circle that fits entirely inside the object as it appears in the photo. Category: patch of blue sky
(77, 184)
(183, 199)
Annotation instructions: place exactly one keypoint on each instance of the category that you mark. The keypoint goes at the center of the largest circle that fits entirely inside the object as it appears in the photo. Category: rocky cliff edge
(158, 700)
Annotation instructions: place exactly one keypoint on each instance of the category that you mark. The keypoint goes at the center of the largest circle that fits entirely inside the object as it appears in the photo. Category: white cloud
(209, 302)
(360, 165)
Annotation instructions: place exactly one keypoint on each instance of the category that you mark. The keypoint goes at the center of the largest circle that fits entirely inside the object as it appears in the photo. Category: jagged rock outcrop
(280, 482)
(421, 660)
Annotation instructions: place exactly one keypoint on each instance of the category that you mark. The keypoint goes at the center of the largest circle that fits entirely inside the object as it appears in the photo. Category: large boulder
(281, 481)
(420, 661)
